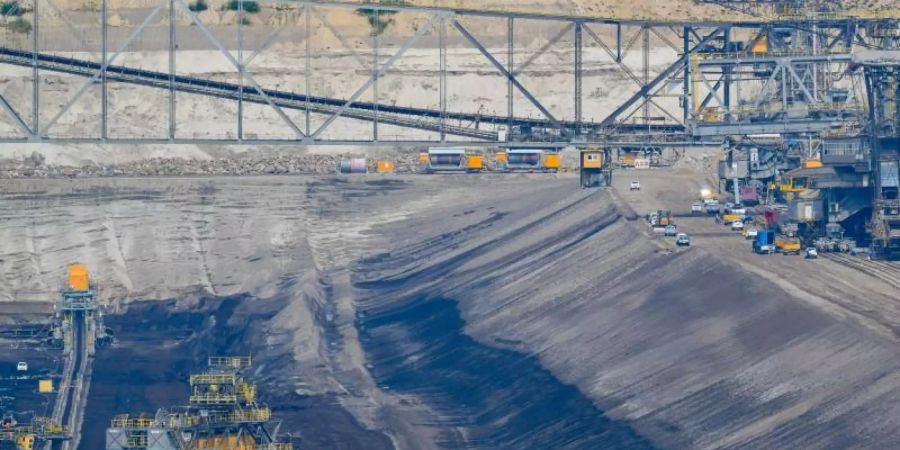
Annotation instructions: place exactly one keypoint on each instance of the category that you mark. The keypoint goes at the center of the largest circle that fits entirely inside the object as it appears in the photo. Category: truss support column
(104, 91)
(442, 37)
(172, 46)
(726, 86)
(618, 42)
(646, 68)
(686, 87)
(510, 66)
(376, 43)
(240, 58)
(36, 87)
(308, 11)
(579, 62)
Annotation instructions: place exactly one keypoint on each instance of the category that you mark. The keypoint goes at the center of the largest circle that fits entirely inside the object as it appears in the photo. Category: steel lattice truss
(139, 75)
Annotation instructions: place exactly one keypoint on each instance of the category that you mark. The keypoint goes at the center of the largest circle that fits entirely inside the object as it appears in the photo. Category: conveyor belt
(401, 116)
(409, 117)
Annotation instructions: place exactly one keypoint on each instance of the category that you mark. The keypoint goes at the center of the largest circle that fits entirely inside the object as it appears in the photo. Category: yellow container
(501, 157)
(45, 386)
(78, 277)
(628, 159)
(474, 162)
(760, 45)
(728, 218)
(552, 161)
(384, 167)
(592, 160)
(423, 158)
(812, 164)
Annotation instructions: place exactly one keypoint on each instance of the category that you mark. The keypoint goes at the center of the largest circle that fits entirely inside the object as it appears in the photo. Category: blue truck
(765, 242)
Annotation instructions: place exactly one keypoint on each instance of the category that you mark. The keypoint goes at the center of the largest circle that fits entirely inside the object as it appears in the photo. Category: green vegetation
(247, 5)
(19, 25)
(11, 9)
(198, 6)
(380, 20)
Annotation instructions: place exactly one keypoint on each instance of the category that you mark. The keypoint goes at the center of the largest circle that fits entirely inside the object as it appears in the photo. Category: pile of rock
(34, 166)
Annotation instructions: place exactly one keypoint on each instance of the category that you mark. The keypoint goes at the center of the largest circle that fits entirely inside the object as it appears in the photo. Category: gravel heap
(34, 166)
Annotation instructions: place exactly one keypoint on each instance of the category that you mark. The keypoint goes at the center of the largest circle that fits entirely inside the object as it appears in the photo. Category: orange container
(552, 161)
(384, 167)
(501, 157)
(78, 277)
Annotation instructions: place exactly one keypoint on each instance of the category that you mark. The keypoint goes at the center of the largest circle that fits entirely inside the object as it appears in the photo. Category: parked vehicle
(635, 185)
(696, 208)
(671, 230)
(750, 233)
(728, 206)
(712, 207)
(749, 196)
(765, 242)
(812, 253)
(22, 366)
(664, 218)
(682, 240)
(788, 245)
(737, 225)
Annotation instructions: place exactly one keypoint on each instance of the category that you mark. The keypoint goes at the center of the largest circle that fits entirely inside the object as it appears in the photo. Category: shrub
(380, 20)
(198, 6)
(11, 9)
(248, 6)
(19, 25)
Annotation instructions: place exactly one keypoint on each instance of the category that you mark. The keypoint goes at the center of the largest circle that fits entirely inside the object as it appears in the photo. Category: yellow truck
(787, 245)
(727, 219)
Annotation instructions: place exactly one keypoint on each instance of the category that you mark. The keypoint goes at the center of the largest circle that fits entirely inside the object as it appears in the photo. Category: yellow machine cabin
(78, 278)
(595, 170)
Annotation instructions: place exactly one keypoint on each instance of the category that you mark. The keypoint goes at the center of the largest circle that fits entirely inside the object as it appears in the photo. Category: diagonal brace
(674, 68)
(562, 33)
(11, 112)
(378, 73)
(240, 67)
(505, 72)
(137, 32)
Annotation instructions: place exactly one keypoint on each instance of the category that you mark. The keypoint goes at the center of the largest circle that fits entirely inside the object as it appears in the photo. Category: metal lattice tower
(222, 413)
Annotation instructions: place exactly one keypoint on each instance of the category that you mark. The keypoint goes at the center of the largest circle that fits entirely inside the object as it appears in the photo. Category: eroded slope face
(686, 345)
(496, 311)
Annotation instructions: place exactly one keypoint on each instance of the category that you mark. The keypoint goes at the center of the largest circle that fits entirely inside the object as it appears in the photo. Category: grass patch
(380, 20)
(248, 6)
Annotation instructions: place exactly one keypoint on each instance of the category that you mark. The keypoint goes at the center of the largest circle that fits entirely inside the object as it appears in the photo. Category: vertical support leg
(442, 37)
(646, 68)
(376, 39)
(36, 87)
(510, 65)
(578, 78)
(172, 46)
(104, 92)
(726, 95)
(308, 11)
(240, 58)
(618, 42)
(686, 87)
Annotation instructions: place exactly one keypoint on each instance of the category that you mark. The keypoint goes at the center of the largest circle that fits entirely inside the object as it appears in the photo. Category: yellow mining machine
(222, 414)
(30, 436)
(596, 170)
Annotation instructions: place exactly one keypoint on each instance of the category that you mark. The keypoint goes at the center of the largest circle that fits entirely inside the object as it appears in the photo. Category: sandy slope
(697, 348)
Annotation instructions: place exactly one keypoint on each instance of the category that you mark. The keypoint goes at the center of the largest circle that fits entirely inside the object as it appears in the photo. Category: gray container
(890, 174)
(803, 211)
(737, 169)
